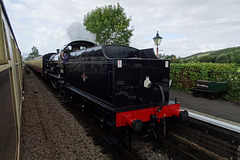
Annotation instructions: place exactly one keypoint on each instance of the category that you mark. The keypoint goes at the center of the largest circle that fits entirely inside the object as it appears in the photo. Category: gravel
(147, 150)
(48, 130)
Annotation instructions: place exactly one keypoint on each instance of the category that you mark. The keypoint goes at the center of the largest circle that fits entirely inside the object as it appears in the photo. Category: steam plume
(77, 31)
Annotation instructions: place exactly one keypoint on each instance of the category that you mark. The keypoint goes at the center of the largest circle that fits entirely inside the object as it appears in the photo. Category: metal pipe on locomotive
(121, 85)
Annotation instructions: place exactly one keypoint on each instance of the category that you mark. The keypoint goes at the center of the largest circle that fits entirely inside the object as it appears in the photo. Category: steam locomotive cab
(54, 63)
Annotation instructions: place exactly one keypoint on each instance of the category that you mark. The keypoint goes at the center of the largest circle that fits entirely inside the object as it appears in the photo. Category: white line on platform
(233, 126)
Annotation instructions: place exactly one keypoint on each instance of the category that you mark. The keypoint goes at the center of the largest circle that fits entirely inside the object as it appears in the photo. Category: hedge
(184, 76)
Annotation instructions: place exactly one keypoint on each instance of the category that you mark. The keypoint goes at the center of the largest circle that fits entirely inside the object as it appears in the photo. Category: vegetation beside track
(184, 76)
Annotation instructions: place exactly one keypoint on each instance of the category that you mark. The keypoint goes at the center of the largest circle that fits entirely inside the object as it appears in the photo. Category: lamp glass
(157, 39)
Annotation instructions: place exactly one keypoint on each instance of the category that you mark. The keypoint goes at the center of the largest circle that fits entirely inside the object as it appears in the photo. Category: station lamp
(157, 40)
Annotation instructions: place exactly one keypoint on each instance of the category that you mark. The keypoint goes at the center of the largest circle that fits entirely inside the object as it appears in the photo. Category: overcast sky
(187, 26)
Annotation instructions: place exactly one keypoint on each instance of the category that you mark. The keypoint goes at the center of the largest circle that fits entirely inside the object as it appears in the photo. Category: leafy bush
(184, 76)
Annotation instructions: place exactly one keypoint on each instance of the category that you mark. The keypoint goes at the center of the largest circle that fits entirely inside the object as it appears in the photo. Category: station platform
(219, 108)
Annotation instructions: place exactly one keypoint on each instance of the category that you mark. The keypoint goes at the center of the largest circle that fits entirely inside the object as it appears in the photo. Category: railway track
(200, 138)
(204, 138)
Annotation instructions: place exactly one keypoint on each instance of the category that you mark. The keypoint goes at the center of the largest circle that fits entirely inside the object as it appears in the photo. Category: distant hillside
(228, 55)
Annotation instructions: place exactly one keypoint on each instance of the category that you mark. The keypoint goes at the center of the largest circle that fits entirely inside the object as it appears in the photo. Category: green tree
(237, 60)
(207, 58)
(173, 58)
(161, 56)
(223, 58)
(33, 54)
(195, 59)
(110, 25)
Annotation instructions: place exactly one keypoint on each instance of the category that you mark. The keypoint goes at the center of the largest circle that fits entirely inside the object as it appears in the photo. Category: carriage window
(5, 38)
(3, 58)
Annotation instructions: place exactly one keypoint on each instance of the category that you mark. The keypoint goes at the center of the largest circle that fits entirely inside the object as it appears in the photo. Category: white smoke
(77, 31)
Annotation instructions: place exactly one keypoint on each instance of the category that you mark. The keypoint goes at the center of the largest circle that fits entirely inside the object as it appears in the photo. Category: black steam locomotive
(121, 85)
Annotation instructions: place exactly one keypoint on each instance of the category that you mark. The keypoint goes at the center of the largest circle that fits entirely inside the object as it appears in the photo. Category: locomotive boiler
(121, 85)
